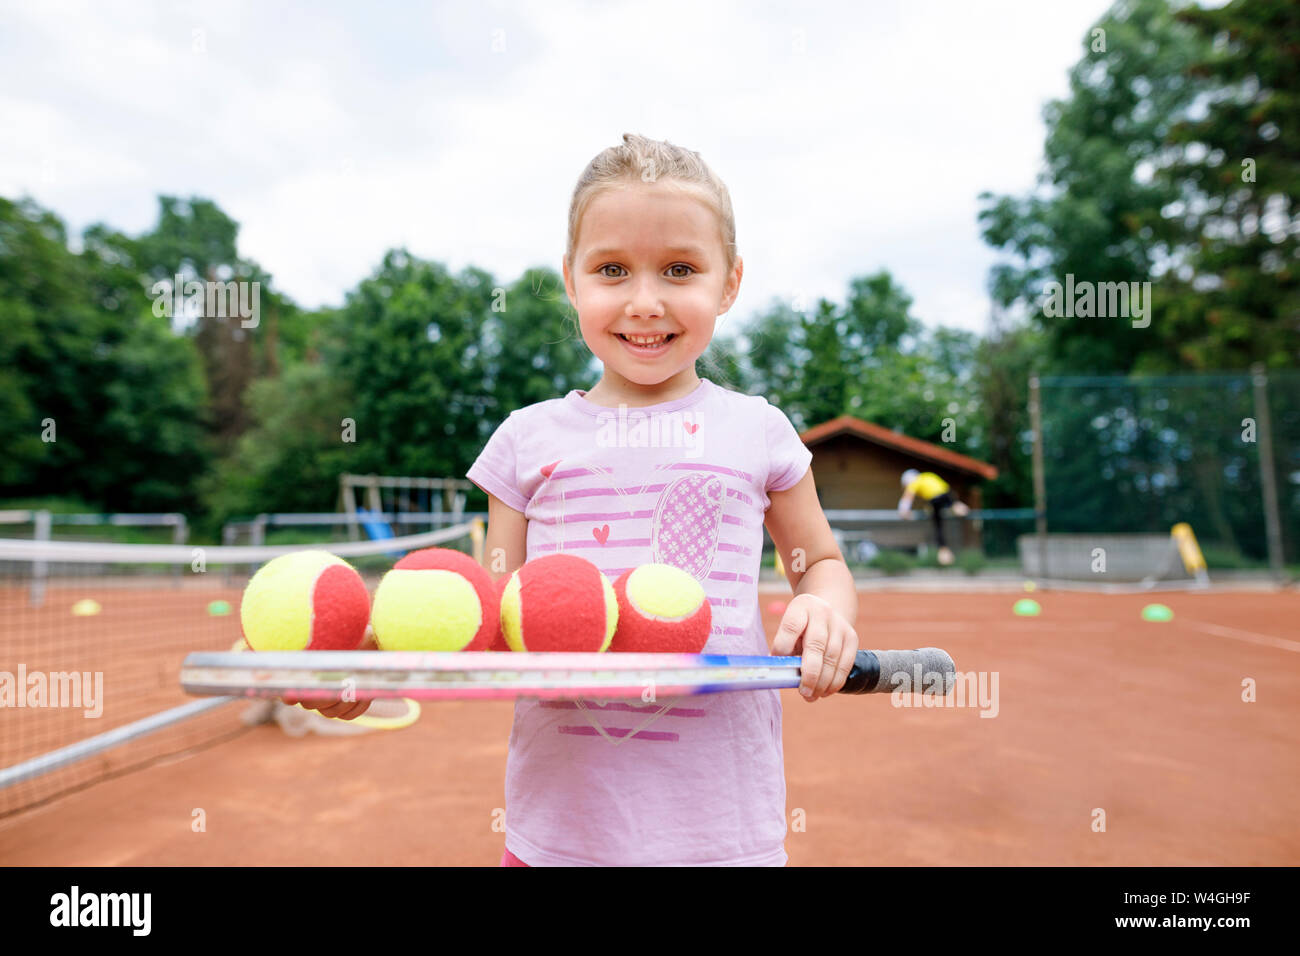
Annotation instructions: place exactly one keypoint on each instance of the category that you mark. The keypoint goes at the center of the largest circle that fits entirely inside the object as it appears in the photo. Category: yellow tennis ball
(426, 610)
(305, 600)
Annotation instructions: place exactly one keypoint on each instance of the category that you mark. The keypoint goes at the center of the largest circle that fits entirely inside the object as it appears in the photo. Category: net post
(1267, 475)
(42, 522)
(228, 533)
(477, 538)
(1040, 484)
(256, 538)
(348, 505)
(180, 534)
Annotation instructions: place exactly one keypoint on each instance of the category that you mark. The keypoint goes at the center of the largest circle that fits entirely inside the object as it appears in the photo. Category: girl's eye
(679, 265)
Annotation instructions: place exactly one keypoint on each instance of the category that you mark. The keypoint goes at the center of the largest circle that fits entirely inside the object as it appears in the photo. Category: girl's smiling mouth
(646, 345)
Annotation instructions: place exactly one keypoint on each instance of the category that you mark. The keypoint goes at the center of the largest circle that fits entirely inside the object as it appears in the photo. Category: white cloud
(852, 137)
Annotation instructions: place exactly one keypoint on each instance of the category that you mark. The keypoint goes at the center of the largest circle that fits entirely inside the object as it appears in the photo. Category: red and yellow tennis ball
(305, 601)
(558, 603)
(436, 599)
(661, 610)
(499, 642)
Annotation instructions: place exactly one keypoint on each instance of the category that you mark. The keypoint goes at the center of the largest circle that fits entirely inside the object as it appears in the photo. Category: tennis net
(92, 637)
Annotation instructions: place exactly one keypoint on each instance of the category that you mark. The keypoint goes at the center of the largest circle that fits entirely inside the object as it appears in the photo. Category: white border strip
(93, 552)
(74, 753)
(1267, 640)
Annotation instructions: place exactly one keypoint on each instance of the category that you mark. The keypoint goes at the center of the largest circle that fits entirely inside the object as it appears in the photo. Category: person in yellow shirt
(935, 492)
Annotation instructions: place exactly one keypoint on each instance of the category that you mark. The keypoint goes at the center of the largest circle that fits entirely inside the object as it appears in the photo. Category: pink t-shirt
(696, 780)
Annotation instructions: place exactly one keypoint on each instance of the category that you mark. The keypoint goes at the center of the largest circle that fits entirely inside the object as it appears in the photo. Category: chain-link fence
(1140, 454)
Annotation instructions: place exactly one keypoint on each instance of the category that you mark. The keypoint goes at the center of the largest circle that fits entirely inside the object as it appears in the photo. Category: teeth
(646, 339)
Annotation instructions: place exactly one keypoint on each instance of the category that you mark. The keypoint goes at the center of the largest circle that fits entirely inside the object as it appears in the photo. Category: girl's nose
(645, 302)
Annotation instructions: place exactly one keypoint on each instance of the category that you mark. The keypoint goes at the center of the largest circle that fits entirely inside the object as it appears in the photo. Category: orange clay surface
(1095, 712)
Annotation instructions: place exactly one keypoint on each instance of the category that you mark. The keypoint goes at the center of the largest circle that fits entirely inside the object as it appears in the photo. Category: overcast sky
(852, 136)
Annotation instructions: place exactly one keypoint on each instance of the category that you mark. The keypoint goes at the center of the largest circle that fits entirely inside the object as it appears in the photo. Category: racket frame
(468, 675)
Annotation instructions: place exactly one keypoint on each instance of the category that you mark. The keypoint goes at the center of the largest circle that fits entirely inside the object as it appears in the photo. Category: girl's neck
(614, 390)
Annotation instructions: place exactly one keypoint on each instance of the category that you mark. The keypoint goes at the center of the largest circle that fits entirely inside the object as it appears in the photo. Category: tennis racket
(471, 675)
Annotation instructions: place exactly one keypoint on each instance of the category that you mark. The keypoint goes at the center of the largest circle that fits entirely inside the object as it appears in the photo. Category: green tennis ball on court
(436, 599)
(1158, 613)
(1027, 607)
(558, 603)
(661, 610)
(86, 608)
(305, 600)
(219, 608)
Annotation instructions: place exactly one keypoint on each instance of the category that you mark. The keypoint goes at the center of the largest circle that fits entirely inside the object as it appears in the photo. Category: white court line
(1267, 640)
(1023, 623)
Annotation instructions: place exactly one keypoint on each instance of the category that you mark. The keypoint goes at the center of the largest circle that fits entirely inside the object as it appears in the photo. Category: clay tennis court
(1096, 710)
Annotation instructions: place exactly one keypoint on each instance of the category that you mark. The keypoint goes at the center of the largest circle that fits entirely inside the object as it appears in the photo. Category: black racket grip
(924, 670)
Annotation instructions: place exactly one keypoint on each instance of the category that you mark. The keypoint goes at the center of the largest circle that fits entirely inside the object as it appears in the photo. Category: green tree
(1237, 170)
(436, 361)
(407, 344)
(1096, 214)
(195, 240)
(150, 449)
(774, 355)
(86, 364)
(868, 357)
(1005, 360)
(723, 362)
(290, 460)
(532, 348)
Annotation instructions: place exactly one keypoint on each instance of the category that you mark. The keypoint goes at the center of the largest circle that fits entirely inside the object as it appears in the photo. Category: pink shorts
(509, 859)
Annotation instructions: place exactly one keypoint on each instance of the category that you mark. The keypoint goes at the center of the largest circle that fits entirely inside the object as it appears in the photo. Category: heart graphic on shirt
(690, 429)
(618, 740)
(608, 474)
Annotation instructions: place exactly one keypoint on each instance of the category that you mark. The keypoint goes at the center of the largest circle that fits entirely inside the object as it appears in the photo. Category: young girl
(656, 464)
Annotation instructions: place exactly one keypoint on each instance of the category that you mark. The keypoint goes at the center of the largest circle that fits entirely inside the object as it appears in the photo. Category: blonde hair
(653, 161)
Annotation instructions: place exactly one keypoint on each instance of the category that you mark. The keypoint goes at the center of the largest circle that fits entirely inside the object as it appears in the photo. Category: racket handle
(927, 669)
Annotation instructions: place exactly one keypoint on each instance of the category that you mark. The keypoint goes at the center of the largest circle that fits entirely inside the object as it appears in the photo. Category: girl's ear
(732, 288)
(568, 285)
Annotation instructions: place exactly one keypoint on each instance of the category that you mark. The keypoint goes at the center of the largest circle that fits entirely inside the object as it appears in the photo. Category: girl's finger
(346, 710)
(848, 657)
(355, 709)
(830, 661)
(814, 650)
(332, 708)
(793, 623)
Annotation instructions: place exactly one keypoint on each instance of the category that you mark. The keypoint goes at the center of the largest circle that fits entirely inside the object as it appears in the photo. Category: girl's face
(649, 281)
